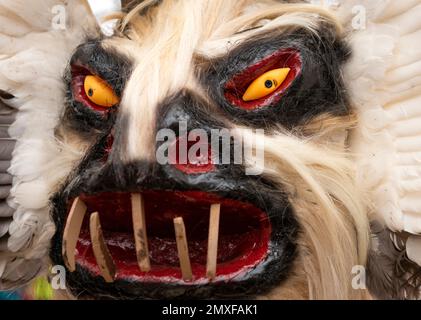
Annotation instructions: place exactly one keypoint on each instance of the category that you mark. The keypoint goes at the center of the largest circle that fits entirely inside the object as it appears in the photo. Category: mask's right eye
(93, 91)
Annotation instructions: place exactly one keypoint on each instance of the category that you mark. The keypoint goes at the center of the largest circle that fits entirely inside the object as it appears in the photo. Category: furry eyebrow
(111, 66)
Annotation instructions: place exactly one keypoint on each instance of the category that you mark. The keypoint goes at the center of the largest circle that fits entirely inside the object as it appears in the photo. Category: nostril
(191, 157)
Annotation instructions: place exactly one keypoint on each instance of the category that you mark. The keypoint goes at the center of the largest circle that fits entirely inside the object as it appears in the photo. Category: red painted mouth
(244, 235)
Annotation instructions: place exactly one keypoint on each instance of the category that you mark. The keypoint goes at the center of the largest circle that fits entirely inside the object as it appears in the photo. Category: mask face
(211, 149)
(228, 68)
(223, 124)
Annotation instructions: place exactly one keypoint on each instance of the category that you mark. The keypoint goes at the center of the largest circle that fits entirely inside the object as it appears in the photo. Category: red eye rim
(237, 86)
(79, 74)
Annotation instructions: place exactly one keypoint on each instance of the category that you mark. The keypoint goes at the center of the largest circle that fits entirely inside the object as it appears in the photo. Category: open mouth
(187, 237)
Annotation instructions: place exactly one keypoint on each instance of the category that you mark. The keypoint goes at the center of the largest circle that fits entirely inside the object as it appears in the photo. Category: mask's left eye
(99, 92)
(265, 84)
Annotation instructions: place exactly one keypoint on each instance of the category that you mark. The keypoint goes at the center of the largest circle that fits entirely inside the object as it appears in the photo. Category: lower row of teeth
(103, 257)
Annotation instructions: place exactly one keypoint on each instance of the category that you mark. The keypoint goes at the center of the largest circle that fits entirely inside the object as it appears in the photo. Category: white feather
(32, 60)
(384, 78)
(413, 248)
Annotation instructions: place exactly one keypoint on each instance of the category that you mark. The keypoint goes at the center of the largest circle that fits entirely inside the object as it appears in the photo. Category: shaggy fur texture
(163, 51)
(156, 42)
(318, 179)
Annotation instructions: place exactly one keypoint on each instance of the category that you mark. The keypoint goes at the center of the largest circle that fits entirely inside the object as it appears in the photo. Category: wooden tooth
(182, 248)
(102, 254)
(72, 231)
(140, 235)
(213, 241)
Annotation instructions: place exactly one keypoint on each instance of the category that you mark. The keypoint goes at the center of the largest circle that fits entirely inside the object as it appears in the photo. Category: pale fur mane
(329, 206)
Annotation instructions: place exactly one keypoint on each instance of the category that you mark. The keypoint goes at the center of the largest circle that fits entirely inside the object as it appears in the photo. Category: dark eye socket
(94, 69)
(237, 86)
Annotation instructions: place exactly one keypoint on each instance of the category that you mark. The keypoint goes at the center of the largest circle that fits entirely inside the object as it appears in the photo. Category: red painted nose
(191, 157)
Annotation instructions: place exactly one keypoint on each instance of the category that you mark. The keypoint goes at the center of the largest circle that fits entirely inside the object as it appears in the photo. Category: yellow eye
(99, 92)
(266, 84)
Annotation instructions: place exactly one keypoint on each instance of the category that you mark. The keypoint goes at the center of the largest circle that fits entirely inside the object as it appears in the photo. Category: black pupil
(90, 92)
(268, 84)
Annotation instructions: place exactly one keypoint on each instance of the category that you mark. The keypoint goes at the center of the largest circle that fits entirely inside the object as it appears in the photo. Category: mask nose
(191, 155)
(185, 127)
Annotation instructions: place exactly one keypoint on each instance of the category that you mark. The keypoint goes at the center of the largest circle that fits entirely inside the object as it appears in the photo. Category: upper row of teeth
(102, 255)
